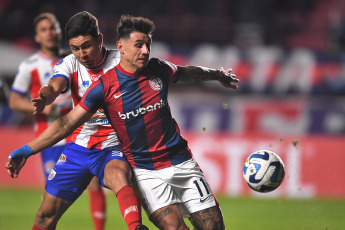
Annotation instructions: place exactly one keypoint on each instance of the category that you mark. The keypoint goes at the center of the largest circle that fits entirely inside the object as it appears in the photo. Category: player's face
(135, 51)
(87, 50)
(48, 34)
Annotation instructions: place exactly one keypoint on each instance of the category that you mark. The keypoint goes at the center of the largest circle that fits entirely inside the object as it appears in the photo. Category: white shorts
(183, 184)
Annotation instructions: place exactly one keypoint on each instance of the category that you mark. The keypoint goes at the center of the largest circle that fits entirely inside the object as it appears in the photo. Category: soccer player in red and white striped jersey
(33, 74)
(94, 149)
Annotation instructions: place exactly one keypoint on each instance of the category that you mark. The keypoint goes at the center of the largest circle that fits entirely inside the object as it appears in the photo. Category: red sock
(97, 206)
(130, 206)
(36, 227)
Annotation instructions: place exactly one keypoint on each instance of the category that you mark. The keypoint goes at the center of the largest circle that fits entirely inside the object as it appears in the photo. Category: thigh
(154, 189)
(117, 174)
(210, 218)
(109, 160)
(192, 188)
(168, 217)
(71, 174)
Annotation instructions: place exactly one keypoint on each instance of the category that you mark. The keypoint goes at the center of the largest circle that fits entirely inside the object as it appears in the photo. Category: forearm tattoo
(198, 74)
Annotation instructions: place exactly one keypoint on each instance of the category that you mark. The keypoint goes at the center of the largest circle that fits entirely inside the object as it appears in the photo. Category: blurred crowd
(275, 47)
(181, 22)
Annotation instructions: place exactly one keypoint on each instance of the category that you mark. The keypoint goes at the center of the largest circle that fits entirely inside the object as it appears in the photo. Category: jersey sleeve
(171, 70)
(93, 98)
(22, 81)
(64, 69)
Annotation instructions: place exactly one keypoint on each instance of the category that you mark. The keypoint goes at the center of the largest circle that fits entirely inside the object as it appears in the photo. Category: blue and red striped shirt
(137, 108)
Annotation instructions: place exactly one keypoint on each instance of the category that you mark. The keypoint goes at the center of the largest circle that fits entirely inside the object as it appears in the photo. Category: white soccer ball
(263, 171)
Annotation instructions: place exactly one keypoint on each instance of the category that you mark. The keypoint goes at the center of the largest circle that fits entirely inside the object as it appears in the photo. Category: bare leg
(117, 177)
(168, 217)
(117, 174)
(208, 219)
(51, 211)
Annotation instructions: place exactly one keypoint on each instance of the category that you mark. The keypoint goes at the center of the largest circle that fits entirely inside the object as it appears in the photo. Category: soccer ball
(263, 171)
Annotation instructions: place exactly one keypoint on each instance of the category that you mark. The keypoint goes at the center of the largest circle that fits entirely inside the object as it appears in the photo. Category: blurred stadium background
(288, 54)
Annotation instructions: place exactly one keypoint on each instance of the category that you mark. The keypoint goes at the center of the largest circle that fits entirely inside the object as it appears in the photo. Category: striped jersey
(137, 107)
(32, 74)
(97, 132)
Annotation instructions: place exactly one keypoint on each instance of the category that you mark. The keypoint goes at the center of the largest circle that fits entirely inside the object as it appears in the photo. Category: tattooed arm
(189, 74)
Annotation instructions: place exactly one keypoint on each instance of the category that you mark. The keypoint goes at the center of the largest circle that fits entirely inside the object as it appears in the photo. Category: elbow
(12, 104)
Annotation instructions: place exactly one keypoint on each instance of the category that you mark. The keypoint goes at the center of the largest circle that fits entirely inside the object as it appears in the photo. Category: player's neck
(133, 70)
(101, 57)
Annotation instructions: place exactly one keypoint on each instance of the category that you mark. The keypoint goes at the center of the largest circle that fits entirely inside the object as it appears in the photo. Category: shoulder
(156, 63)
(69, 60)
(30, 60)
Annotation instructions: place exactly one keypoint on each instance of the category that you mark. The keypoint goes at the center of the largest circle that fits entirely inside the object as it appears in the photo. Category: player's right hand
(39, 103)
(14, 165)
(17, 159)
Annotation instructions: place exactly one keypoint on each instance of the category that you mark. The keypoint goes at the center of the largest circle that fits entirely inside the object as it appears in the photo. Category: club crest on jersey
(156, 83)
(62, 158)
(94, 77)
(52, 174)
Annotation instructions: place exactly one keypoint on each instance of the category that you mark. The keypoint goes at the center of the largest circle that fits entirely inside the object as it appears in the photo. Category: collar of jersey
(119, 67)
(104, 58)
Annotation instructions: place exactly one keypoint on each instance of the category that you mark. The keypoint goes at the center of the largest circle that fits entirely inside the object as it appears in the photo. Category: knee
(46, 218)
(117, 176)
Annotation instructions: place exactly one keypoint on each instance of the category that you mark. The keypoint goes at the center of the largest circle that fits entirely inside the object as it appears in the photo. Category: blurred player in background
(34, 73)
(134, 96)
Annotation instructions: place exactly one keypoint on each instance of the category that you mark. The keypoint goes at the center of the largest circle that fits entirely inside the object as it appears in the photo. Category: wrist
(24, 151)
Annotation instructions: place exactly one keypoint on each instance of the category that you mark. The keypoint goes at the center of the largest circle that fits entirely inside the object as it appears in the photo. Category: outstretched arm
(57, 131)
(48, 93)
(189, 74)
(18, 102)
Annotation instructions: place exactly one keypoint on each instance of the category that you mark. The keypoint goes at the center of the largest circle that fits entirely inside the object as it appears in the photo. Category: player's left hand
(229, 80)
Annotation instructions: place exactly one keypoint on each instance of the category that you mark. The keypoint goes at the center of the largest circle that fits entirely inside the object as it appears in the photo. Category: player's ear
(119, 46)
(100, 39)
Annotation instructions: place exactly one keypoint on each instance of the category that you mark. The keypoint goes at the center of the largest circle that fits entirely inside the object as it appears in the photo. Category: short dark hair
(129, 24)
(82, 23)
(43, 16)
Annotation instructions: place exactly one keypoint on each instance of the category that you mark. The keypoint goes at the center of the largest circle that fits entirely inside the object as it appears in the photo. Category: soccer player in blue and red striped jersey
(134, 98)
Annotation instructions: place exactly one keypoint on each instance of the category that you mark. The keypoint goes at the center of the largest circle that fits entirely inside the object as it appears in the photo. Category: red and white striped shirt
(97, 132)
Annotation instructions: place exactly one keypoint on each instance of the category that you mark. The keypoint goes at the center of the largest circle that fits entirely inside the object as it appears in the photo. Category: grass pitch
(18, 209)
